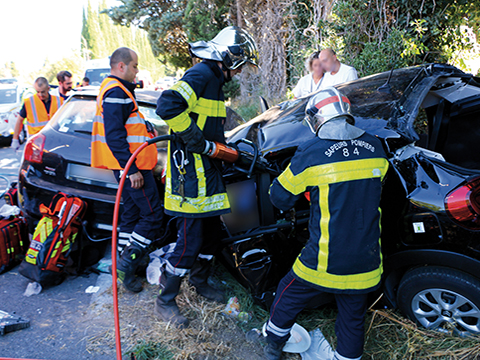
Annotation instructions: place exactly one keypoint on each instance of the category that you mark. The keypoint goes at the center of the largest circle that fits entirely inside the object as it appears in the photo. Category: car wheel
(441, 299)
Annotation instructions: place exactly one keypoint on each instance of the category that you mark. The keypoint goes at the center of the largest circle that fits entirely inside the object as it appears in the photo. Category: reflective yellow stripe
(187, 93)
(200, 171)
(180, 122)
(333, 173)
(43, 229)
(325, 234)
(201, 121)
(168, 180)
(341, 282)
(198, 205)
(214, 108)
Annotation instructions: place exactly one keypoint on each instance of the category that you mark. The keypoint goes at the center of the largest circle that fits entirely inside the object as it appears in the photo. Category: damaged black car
(427, 118)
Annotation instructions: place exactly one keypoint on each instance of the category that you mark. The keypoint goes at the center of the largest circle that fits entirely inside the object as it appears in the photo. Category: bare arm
(18, 127)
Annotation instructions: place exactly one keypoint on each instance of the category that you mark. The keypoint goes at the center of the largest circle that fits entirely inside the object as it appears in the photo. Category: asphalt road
(62, 318)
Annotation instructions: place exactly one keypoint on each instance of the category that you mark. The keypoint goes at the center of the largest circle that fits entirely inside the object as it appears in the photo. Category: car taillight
(463, 204)
(34, 148)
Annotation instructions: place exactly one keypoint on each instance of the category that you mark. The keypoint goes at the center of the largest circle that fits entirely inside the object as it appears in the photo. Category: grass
(212, 335)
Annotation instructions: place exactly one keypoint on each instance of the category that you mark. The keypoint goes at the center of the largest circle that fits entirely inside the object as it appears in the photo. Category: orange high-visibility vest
(137, 134)
(37, 115)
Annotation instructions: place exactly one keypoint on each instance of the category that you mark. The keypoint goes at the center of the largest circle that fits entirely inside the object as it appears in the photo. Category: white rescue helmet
(233, 46)
(327, 105)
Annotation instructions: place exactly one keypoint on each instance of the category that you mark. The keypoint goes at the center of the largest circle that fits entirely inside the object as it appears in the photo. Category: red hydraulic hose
(118, 341)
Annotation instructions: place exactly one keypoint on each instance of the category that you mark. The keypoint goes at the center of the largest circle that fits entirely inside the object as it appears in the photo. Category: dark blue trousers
(291, 298)
(196, 238)
(142, 214)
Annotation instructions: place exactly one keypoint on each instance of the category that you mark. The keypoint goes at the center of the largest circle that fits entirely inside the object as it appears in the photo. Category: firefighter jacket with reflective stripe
(198, 97)
(344, 179)
(37, 115)
(116, 133)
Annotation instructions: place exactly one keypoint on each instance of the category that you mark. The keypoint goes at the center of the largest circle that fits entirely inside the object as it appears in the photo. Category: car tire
(442, 299)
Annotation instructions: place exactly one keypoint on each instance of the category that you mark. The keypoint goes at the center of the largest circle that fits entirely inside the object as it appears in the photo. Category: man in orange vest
(118, 130)
(37, 109)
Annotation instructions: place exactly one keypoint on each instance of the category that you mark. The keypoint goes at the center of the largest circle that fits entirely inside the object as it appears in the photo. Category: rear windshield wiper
(88, 132)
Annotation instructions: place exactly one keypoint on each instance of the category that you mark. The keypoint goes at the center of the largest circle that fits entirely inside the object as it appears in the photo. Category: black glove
(194, 140)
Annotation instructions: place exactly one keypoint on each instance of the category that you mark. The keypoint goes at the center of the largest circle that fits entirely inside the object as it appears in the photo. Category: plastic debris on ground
(8, 210)
(232, 309)
(92, 289)
(319, 347)
(104, 266)
(12, 322)
(33, 288)
(158, 258)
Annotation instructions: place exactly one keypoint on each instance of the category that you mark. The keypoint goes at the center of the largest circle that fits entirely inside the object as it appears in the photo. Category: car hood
(384, 105)
(8, 107)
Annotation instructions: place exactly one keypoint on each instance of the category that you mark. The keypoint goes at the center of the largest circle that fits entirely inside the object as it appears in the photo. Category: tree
(100, 37)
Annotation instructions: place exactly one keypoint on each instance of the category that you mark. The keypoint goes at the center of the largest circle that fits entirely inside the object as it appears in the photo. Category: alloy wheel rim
(446, 311)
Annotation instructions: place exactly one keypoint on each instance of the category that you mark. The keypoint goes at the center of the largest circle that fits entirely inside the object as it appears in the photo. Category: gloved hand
(15, 144)
(194, 139)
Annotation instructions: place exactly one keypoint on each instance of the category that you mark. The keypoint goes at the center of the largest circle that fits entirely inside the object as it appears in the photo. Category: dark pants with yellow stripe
(196, 238)
(292, 297)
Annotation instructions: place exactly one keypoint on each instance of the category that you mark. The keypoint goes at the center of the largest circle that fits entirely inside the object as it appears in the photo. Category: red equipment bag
(53, 239)
(11, 195)
(13, 242)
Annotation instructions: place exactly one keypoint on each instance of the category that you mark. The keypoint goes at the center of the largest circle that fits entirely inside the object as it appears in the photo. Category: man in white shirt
(336, 72)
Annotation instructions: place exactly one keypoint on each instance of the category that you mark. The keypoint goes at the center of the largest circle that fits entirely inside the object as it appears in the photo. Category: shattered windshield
(369, 102)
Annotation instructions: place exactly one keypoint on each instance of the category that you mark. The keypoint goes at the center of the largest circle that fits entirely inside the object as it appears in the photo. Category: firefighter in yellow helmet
(194, 109)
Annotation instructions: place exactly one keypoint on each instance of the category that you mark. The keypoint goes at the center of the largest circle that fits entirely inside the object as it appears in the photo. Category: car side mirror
(140, 84)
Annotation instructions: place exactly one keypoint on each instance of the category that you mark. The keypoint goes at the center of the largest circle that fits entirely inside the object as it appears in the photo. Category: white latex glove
(15, 144)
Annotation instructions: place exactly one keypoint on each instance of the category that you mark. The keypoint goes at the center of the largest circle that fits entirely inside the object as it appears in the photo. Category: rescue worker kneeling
(194, 108)
(342, 168)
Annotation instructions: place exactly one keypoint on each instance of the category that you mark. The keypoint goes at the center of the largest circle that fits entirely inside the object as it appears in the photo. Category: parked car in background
(165, 83)
(10, 104)
(97, 70)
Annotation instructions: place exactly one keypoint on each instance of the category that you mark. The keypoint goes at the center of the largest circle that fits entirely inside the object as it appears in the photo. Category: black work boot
(166, 307)
(273, 350)
(199, 279)
(131, 257)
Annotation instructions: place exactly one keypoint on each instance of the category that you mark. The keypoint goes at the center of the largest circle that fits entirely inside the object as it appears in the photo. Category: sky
(34, 30)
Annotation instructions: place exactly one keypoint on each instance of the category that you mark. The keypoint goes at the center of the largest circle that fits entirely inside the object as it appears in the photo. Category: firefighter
(37, 109)
(342, 168)
(119, 128)
(194, 109)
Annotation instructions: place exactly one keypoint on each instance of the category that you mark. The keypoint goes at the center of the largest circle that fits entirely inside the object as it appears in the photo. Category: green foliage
(9, 70)
(232, 88)
(379, 35)
(205, 18)
(100, 37)
(171, 25)
(150, 351)
(73, 63)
